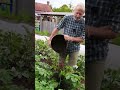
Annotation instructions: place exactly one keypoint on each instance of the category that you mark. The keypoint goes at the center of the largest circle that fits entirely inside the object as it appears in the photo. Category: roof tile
(42, 7)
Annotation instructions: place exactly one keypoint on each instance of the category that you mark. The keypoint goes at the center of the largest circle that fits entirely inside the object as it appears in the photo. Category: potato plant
(111, 80)
(16, 61)
(48, 74)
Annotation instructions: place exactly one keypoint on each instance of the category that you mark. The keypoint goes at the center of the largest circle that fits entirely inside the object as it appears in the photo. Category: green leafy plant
(111, 80)
(116, 41)
(42, 33)
(16, 62)
(50, 76)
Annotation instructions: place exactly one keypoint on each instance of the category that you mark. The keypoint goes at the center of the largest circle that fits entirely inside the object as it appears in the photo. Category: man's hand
(54, 32)
(49, 42)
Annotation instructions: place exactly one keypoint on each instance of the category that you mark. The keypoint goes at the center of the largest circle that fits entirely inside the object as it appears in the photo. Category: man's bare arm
(54, 32)
(73, 39)
(100, 32)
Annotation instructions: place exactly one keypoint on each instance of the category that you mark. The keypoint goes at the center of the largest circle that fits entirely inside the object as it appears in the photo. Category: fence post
(41, 22)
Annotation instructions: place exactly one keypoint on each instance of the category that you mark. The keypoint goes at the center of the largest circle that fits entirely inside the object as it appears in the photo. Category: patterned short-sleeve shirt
(72, 28)
(100, 13)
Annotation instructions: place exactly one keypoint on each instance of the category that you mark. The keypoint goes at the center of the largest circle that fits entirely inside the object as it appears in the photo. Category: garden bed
(55, 77)
(16, 61)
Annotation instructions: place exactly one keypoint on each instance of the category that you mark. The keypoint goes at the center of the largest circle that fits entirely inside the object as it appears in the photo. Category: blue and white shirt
(100, 13)
(73, 28)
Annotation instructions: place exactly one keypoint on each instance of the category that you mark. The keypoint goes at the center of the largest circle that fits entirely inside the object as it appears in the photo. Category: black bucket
(59, 44)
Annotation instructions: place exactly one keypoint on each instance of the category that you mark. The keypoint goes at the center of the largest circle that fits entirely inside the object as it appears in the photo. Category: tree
(63, 8)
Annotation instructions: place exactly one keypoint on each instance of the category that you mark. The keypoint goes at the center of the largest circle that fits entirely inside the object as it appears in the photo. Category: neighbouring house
(43, 7)
(49, 25)
(45, 18)
(40, 7)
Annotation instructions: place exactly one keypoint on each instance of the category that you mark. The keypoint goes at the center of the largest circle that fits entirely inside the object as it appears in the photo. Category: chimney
(48, 3)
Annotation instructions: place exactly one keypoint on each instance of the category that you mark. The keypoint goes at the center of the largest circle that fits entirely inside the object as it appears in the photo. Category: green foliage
(43, 78)
(16, 62)
(43, 73)
(42, 33)
(22, 17)
(116, 41)
(111, 80)
(6, 10)
(50, 76)
(63, 8)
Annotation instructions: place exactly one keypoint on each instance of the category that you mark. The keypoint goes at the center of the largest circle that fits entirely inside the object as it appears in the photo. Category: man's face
(78, 13)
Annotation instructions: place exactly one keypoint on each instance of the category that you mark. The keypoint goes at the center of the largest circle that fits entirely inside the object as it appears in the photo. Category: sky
(58, 3)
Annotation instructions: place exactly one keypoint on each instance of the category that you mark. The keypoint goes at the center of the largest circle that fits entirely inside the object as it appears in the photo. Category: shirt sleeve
(62, 23)
(115, 16)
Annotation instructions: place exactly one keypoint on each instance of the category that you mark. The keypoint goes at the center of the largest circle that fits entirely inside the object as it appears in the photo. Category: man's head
(79, 10)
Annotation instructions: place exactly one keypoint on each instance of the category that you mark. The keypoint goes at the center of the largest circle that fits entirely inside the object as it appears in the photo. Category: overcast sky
(58, 3)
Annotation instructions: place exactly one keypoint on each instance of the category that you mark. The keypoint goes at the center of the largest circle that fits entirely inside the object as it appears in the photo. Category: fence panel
(48, 26)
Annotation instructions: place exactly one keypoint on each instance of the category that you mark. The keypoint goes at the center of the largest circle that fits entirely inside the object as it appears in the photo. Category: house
(40, 7)
(43, 7)
(46, 19)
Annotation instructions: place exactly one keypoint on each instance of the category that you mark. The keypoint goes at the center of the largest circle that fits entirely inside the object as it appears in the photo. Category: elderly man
(73, 26)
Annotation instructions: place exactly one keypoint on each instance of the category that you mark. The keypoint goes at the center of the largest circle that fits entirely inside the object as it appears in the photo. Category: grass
(116, 41)
(44, 33)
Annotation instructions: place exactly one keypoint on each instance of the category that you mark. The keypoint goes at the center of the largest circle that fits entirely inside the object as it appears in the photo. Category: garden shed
(48, 20)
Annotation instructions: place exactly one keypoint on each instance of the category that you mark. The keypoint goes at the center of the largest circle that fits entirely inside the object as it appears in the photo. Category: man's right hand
(49, 42)
(54, 32)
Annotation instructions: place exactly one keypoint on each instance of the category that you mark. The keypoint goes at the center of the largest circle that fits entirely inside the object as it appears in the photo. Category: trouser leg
(94, 75)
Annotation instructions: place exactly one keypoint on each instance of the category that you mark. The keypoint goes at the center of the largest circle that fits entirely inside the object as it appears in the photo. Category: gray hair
(80, 6)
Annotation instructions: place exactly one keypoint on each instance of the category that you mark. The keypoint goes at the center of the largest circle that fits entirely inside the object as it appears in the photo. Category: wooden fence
(48, 26)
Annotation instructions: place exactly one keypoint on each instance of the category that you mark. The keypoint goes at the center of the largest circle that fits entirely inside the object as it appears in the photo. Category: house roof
(42, 7)
(53, 13)
(38, 13)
